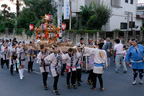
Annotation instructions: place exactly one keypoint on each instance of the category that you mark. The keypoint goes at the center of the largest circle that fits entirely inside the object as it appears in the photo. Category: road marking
(37, 72)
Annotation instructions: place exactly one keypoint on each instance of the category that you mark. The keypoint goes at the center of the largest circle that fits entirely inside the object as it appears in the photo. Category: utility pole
(59, 14)
(17, 7)
(70, 16)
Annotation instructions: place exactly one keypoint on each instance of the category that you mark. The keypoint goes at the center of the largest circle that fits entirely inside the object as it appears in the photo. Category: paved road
(115, 84)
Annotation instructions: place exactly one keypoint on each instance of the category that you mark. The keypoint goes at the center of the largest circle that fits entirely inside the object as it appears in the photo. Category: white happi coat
(39, 61)
(67, 58)
(5, 53)
(12, 54)
(30, 55)
(55, 66)
(0, 50)
(63, 61)
(97, 59)
(91, 62)
(21, 55)
(17, 51)
(79, 60)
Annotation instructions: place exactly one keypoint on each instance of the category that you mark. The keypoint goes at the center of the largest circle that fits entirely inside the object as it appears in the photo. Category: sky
(13, 8)
(10, 4)
(140, 1)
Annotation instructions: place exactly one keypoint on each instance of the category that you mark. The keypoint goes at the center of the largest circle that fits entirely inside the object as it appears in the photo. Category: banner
(66, 9)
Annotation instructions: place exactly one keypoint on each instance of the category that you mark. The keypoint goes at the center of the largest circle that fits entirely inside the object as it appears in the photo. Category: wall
(19, 37)
(75, 38)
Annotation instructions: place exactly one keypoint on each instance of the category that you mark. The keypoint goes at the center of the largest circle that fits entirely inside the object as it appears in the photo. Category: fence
(74, 37)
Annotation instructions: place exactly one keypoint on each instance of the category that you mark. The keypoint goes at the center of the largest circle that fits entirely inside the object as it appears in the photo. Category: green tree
(7, 18)
(40, 7)
(5, 10)
(74, 22)
(5, 13)
(86, 13)
(32, 13)
(95, 16)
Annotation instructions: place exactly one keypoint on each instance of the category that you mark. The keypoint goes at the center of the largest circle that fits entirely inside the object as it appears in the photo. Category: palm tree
(5, 10)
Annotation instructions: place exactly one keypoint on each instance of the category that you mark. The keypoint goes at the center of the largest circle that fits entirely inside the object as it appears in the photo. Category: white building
(123, 13)
(140, 10)
(76, 4)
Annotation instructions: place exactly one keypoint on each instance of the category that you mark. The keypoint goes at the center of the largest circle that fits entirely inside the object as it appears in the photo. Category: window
(126, 1)
(131, 24)
(131, 2)
(123, 26)
(116, 3)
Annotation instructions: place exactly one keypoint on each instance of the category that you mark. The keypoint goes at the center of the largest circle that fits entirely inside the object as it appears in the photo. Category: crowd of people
(13, 54)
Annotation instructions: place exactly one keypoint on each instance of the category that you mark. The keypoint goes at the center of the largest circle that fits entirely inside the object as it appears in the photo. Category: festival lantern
(31, 27)
(63, 26)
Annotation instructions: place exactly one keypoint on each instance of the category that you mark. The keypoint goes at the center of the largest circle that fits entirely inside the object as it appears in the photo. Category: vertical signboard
(66, 9)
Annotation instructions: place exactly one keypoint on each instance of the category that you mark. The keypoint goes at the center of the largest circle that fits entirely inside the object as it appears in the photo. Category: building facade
(140, 11)
(123, 17)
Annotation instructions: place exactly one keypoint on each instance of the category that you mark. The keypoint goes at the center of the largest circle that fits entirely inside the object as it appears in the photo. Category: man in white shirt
(119, 56)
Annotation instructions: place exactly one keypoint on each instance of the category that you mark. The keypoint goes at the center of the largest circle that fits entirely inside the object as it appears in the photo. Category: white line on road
(37, 72)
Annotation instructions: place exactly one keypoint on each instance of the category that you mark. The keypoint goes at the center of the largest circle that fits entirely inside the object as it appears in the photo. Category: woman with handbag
(135, 56)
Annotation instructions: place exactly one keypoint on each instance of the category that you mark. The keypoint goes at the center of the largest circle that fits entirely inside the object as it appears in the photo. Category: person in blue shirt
(135, 56)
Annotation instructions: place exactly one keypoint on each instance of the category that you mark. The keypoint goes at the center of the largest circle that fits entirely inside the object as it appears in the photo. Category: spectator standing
(135, 56)
(107, 47)
(119, 56)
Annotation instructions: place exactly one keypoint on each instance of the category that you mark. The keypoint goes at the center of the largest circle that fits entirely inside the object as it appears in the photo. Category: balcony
(140, 16)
